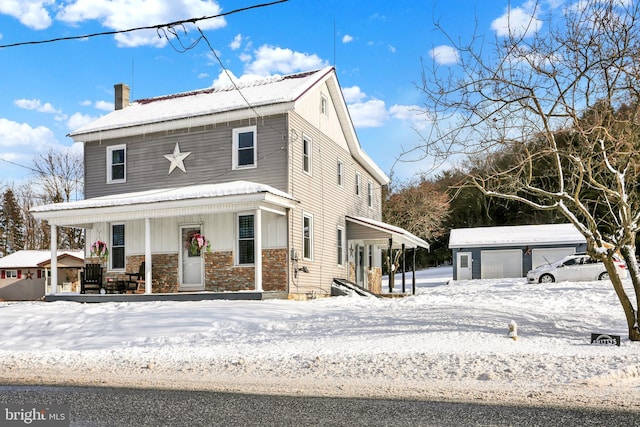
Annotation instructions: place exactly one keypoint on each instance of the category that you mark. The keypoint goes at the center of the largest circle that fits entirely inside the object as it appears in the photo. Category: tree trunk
(630, 313)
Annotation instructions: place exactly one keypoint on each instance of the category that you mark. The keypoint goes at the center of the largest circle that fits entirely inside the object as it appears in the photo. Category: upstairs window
(244, 147)
(116, 163)
(358, 183)
(306, 154)
(117, 247)
(324, 105)
(370, 194)
(246, 238)
(340, 173)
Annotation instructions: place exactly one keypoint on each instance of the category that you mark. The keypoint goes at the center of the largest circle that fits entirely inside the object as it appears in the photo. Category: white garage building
(510, 251)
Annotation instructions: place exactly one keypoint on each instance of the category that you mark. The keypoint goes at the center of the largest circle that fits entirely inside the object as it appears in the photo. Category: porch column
(148, 288)
(257, 230)
(404, 267)
(54, 259)
(413, 277)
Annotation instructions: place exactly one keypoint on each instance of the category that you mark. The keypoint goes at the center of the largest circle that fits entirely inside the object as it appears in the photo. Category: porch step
(341, 287)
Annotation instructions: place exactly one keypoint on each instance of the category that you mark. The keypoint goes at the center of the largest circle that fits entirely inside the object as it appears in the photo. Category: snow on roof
(515, 235)
(269, 91)
(31, 258)
(234, 188)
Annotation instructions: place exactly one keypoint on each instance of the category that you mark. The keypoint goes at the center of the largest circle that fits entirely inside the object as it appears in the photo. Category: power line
(150, 27)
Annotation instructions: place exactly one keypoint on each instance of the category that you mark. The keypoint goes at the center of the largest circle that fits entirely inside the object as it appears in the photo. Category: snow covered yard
(447, 342)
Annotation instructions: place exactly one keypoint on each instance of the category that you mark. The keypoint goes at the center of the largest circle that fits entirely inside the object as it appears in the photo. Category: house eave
(180, 122)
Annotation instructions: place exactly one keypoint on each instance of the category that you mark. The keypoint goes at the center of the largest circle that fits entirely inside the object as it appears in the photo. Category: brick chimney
(121, 96)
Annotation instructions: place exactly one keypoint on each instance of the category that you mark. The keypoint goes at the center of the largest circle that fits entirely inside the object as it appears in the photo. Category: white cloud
(125, 14)
(271, 60)
(444, 55)
(86, 103)
(31, 13)
(104, 105)
(78, 120)
(36, 105)
(15, 136)
(391, 49)
(518, 21)
(236, 43)
(353, 94)
(372, 113)
(347, 38)
(413, 114)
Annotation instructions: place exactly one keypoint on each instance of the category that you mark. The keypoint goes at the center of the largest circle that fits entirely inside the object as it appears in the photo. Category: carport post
(404, 268)
(54, 260)
(413, 277)
(391, 271)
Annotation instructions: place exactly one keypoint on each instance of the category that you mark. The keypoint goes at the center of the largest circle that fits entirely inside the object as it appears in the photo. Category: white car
(574, 268)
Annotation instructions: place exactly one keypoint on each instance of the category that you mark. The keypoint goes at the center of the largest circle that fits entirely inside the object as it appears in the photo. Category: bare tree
(60, 175)
(561, 97)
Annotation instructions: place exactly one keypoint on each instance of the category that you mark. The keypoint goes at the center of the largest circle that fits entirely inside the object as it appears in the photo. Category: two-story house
(261, 186)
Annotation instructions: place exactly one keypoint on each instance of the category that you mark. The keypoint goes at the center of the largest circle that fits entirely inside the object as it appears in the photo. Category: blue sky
(48, 90)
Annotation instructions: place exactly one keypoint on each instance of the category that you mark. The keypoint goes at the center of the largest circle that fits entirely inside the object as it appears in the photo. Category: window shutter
(3, 274)
(39, 274)
(19, 274)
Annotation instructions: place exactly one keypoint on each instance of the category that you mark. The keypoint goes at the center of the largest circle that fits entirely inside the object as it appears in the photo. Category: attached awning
(167, 202)
(360, 228)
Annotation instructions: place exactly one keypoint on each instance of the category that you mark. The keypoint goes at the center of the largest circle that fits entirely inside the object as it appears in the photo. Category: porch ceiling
(168, 202)
(359, 228)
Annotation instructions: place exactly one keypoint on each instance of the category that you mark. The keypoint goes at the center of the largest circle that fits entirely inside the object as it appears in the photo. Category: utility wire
(150, 27)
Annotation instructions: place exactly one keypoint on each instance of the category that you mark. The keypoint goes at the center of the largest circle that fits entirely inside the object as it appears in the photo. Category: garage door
(548, 255)
(501, 263)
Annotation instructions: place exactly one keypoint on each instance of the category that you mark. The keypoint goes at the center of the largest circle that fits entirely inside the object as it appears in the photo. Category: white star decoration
(176, 159)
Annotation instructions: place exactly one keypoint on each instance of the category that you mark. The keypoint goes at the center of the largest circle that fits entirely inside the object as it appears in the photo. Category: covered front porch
(367, 239)
(198, 242)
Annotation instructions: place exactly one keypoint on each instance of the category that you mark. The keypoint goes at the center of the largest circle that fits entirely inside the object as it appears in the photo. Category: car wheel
(547, 278)
(603, 276)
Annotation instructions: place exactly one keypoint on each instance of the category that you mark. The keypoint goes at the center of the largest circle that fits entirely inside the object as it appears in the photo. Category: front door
(464, 263)
(191, 262)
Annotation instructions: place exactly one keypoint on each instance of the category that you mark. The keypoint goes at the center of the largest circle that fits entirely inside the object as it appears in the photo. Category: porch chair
(91, 278)
(135, 279)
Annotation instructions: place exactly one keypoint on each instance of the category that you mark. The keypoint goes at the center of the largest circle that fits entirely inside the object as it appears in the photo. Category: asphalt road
(142, 407)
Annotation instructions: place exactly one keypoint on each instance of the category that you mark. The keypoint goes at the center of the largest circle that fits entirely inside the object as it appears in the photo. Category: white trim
(110, 150)
(235, 135)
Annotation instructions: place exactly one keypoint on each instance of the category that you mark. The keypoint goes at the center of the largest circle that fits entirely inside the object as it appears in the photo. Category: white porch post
(258, 249)
(147, 257)
(54, 259)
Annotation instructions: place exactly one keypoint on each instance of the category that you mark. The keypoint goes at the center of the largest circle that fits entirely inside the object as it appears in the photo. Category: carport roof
(378, 230)
(515, 235)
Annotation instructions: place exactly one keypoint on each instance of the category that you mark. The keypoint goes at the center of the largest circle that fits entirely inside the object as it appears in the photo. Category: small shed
(24, 274)
(511, 251)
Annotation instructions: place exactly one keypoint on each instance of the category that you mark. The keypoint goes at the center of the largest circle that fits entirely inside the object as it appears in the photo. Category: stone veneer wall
(375, 280)
(220, 273)
(164, 271)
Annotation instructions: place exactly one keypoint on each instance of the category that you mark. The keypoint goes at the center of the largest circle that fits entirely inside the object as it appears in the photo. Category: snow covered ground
(450, 341)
